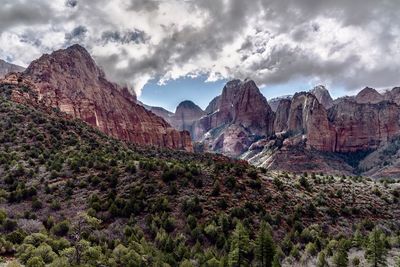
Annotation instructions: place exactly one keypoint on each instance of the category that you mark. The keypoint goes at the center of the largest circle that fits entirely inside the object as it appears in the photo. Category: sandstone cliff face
(364, 126)
(369, 95)
(251, 110)
(282, 115)
(6, 68)
(71, 81)
(213, 105)
(307, 116)
(323, 96)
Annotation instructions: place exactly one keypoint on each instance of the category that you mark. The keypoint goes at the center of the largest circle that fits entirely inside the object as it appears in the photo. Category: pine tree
(240, 247)
(276, 262)
(341, 258)
(376, 251)
(321, 262)
(265, 248)
(357, 239)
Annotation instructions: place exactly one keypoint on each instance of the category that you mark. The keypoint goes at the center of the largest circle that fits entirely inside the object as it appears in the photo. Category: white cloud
(348, 43)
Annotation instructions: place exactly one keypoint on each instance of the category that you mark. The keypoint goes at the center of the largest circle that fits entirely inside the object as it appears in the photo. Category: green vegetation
(71, 196)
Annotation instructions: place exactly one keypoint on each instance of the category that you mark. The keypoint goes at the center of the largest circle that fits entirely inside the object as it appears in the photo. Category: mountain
(274, 102)
(323, 96)
(71, 81)
(186, 114)
(241, 116)
(308, 131)
(369, 95)
(74, 196)
(159, 111)
(6, 68)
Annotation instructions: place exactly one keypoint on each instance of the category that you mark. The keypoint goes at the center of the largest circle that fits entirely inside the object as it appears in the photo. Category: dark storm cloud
(19, 13)
(134, 36)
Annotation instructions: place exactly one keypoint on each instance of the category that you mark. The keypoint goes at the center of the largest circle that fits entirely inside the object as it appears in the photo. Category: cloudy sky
(157, 46)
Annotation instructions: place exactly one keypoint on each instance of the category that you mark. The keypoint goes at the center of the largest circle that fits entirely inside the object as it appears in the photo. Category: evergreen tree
(321, 262)
(276, 262)
(357, 239)
(341, 258)
(265, 248)
(240, 247)
(376, 251)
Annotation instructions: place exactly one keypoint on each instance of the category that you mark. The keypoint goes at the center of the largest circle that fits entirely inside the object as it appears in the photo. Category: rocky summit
(71, 81)
(241, 116)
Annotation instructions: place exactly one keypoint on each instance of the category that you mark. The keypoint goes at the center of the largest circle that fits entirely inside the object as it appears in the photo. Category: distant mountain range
(308, 131)
(6, 67)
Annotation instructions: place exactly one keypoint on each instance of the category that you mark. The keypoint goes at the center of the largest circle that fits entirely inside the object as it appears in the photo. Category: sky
(171, 50)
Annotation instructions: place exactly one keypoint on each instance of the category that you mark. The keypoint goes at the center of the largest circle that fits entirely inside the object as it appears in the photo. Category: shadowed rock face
(71, 81)
(282, 115)
(364, 126)
(213, 105)
(307, 116)
(185, 116)
(323, 96)
(6, 68)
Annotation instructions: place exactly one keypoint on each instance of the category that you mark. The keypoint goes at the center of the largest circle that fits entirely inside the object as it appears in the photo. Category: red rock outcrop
(364, 126)
(71, 81)
(307, 116)
(251, 110)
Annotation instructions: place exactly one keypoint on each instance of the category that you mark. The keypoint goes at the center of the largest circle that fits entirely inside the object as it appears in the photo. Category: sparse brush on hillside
(71, 196)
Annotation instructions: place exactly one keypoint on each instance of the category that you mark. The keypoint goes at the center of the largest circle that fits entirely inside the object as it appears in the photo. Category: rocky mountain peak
(369, 95)
(188, 105)
(70, 80)
(323, 96)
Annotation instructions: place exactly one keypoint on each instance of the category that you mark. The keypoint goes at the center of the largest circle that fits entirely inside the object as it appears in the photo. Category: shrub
(61, 228)
(230, 182)
(192, 206)
(35, 262)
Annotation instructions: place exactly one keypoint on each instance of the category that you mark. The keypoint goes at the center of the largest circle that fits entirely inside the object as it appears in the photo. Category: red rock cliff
(71, 81)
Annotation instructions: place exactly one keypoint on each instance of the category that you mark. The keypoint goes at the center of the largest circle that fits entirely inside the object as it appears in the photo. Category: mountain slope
(163, 205)
(71, 81)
